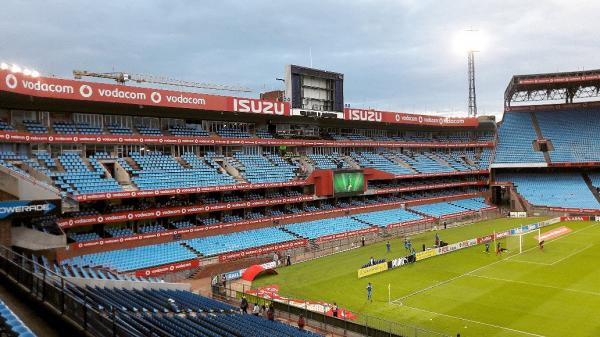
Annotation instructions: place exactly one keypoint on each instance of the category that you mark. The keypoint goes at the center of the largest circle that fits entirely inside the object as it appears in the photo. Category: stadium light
(27, 72)
(3, 66)
(35, 73)
(469, 41)
(15, 68)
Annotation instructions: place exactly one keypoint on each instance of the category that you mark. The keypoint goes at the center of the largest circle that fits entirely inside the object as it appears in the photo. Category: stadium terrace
(123, 197)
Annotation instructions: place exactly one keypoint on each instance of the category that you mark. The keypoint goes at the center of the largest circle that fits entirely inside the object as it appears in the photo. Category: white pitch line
(587, 292)
(473, 321)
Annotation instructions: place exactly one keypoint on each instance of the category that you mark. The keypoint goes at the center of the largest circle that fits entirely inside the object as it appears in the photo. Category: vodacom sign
(122, 94)
(369, 115)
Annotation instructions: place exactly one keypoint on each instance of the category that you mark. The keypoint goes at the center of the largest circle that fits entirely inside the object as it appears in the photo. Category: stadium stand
(441, 209)
(158, 170)
(574, 135)
(515, 140)
(213, 245)
(387, 217)
(263, 169)
(78, 178)
(323, 227)
(135, 258)
(567, 190)
(11, 324)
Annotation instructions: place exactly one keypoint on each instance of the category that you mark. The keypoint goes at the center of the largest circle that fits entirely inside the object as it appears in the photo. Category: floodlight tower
(472, 49)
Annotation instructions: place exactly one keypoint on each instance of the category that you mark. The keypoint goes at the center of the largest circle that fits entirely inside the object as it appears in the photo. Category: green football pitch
(554, 292)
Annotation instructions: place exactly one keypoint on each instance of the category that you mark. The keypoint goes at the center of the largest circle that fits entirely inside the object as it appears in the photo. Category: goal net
(521, 241)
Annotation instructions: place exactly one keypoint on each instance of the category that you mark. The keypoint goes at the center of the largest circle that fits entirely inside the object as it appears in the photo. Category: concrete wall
(36, 240)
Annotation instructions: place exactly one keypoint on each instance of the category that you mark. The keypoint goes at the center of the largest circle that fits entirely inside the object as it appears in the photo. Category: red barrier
(262, 250)
(172, 140)
(169, 268)
(175, 211)
(369, 115)
(574, 218)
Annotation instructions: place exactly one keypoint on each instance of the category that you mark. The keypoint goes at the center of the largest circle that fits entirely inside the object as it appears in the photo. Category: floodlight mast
(122, 77)
(472, 104)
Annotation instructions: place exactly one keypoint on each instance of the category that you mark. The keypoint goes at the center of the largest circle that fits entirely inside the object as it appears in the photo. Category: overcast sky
(396, 55)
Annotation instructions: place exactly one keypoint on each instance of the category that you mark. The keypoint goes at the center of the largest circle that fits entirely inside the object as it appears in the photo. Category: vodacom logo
(85, 91)
(156, 97)
(11, 81)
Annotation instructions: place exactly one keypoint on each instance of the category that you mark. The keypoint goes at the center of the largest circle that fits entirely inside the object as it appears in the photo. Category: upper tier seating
(148, 131)
(377, 161)
(134, 258)
(81, 237)
(575, 135)
(322, 227)
(164, 171)
(4, 126)
(35, 126)
(78, 178)
(11, 324)
(424, 163)
(214, 245)
(233, 133)
(328, 161)
(116, 129)
(387, 217)
(260, 133)
(515, 140)
(190, 130)
(76, 128)
(567, 190)
(264, 169)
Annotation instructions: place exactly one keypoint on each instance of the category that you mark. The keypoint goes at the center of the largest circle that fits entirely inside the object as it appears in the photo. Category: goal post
(522, 241)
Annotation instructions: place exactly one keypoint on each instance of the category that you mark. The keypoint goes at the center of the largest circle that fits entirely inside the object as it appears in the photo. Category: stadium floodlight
(26, 72)
(35, 73)
(15, 68)
(3, 66)
(469, 40)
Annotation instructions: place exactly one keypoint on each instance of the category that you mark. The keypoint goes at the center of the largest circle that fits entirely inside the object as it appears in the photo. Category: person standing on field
(370, 292)
(388, 247)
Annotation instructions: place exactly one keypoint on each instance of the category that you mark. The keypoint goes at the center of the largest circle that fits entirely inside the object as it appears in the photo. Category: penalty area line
(472, 321)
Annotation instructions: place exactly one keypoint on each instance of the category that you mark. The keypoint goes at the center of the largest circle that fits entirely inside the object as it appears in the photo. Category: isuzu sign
(25, 208)
(367, 115)
(58, 88)
(257, 106)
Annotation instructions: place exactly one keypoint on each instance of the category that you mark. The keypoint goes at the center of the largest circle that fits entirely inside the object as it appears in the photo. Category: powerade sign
(25, 208)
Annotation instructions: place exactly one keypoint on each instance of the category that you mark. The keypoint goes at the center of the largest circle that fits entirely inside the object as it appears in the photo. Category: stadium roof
(552, 86)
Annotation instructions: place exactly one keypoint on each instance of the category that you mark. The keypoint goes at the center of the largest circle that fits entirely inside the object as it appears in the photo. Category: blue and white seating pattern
(159, 170)
(214, 245)
(515, 140)
(387, 217)
(11, 324)
(322, 227)
(575, 135)
(440, 209)
(5, 126)
(120, 130)
(188, 131)
(264, 169)
(374, 160)
(35, 126)
(79, 179)
(329, 161)
(81, 237)
(134, 258)
(71, 128)
(567, 190)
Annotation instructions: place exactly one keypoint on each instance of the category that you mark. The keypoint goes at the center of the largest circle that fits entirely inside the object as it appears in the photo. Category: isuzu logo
(258, 106)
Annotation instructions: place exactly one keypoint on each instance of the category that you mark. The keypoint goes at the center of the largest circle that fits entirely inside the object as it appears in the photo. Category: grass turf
(555, 292)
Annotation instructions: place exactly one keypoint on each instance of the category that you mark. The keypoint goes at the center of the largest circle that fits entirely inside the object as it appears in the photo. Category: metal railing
(360, 325)
(52, 290)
